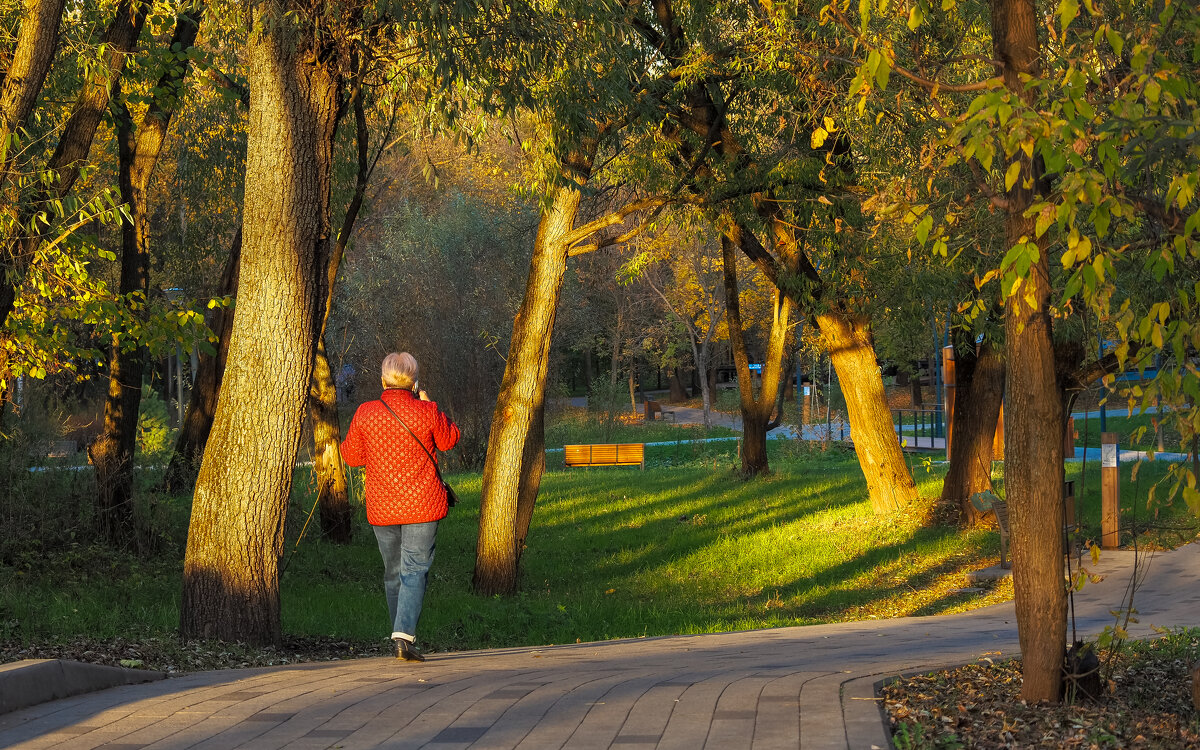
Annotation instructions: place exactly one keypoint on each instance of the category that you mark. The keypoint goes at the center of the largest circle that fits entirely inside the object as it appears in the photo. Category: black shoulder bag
(451, 497)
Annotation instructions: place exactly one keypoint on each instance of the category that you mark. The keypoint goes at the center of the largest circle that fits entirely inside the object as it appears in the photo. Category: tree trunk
(333, 497)
(70, 154)
(36, 43)
(1033, 430)
(915, 388)
(678, 392)
(756, 409)
(533, 466)
(848, 341)
(113, 452)
(512, 471)
(235, 539)
(632, 379)
(206, 386)
(977, 400)
(587, 371)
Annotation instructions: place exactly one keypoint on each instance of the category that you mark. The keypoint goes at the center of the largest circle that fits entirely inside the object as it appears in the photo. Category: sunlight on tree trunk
(1033, 450)
(848, 341)
(756, 409)
(510, 480)
(235, 539)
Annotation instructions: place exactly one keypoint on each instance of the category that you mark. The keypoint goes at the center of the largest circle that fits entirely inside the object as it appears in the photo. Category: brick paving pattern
(807, 687)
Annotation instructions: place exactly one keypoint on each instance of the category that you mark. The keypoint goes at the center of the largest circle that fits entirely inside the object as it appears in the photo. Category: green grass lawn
(682, 547)
(1135, 432)
(580, 426)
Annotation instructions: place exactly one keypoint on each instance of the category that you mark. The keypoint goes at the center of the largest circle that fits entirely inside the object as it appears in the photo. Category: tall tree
(37, 41)
(294, 65)
(756, 408)
(516, 443)
(139, 150)
(978, 398)
(206, 385)
(1033, 417)
(333, 497)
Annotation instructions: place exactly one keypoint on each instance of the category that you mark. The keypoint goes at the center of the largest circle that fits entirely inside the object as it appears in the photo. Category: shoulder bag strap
(436, 470)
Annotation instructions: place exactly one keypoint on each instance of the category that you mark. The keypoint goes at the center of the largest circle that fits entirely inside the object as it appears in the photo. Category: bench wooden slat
(605, 454)
(631, 453)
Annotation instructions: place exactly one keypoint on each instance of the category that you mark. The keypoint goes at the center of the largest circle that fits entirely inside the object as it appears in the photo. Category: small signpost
(1110, 492)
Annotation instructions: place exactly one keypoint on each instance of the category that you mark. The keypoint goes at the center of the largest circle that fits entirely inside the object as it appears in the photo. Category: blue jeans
(407, 551)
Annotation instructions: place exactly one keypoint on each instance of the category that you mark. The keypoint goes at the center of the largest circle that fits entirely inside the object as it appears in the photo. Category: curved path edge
(797, 687)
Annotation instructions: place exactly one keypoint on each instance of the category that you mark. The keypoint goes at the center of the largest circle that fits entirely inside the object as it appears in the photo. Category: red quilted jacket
(402, 486)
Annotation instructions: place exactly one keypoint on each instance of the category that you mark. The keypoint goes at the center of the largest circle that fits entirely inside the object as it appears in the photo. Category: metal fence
(919, 428)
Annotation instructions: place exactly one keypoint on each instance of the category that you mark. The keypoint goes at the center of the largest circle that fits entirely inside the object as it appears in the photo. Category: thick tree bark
(235, 539)
(206, 386)
(1033, 431)
(756, 409)
(512, 471)
(977, 400)
(848, 341)
(113, 451)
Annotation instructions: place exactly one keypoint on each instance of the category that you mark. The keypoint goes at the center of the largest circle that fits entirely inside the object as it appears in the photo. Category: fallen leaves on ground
(1148, 705)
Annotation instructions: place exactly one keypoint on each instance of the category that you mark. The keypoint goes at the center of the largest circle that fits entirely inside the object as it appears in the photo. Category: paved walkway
(807, 687)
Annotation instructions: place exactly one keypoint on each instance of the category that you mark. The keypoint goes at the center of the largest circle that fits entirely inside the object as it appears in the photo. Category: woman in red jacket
(397, 438)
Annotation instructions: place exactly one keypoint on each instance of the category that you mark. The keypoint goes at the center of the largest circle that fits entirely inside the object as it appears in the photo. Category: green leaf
(923, 227)
(1068, 10)
(1115, 40)
(915, 17)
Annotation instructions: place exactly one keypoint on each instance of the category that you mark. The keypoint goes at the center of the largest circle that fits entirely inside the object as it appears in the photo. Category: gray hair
(399, 370)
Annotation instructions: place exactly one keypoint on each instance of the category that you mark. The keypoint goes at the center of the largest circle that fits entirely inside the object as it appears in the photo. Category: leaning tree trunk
(74, 144)
(977, 400)
(31, 59)
(848, 341)
(509, 479)
(112, 453)
(235, 539)
(206, 386)
(1033, 445)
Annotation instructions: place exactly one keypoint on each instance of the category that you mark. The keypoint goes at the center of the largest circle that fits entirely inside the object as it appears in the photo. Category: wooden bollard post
(1110, 492)
(949, 380)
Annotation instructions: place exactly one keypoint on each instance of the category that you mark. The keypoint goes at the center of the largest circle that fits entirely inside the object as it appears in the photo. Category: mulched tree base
(1147, 704)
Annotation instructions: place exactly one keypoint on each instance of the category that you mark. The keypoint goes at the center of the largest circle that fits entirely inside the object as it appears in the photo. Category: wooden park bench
(609, 454)
(985, 501)
(653, 407)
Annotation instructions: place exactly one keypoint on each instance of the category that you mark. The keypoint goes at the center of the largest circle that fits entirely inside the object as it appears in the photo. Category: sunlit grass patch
(612, 553)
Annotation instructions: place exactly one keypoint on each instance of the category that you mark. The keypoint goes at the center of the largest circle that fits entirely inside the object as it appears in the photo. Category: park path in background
(799, 687)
